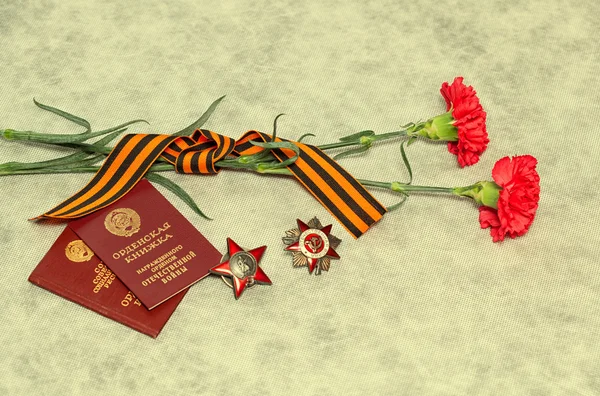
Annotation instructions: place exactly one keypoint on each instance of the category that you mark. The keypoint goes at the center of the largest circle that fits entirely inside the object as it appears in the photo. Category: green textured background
(424, 303)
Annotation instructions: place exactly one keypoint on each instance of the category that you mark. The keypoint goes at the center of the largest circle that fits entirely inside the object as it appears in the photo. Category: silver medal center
(313, 243)
(242, 265)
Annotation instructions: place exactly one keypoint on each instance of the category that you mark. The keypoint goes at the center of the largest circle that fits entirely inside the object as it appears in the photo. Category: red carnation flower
(469, 119)
(517, 200)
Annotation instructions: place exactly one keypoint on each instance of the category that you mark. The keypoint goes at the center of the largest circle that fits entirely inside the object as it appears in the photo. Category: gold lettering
(104, 277)
(130, 249)
(127, 299)
(172, 272)
(130, 298)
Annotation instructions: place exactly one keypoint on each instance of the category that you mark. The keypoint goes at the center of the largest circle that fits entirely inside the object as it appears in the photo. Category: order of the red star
(242, 266)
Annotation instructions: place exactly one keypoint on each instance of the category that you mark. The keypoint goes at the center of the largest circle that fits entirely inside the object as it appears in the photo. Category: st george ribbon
(338, 191)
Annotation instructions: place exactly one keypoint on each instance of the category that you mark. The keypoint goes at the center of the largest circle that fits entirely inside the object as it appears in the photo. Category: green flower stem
(88, 148)
(264, 169)
(360, 141)
(338, 145)
(94, 149)
(10, 134)
(405, 188)
(4, 172)
(396, 186)
(364, 140)
(389, 135)
(52, 138)
(70, 159)
(78, 169)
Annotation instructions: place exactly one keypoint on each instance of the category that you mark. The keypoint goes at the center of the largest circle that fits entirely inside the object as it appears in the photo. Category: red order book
(148, 244)
(72, 270)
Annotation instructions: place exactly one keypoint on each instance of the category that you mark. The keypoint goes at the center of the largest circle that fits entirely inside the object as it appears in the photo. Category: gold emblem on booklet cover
(78, 252)
(123, 222)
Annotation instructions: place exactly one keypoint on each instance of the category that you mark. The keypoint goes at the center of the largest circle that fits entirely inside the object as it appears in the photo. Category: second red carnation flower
(463, 125)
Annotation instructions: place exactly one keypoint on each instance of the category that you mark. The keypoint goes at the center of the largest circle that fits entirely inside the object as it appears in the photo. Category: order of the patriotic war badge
(312, 245)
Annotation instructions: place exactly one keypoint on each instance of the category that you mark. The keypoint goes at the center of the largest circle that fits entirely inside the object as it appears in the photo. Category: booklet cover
(72, 270)
(151, 247)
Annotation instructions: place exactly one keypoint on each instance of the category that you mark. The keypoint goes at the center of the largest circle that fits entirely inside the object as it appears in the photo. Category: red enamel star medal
(312, 245)
(242, 267)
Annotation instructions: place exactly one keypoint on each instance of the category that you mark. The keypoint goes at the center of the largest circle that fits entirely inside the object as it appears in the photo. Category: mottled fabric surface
(423, 303)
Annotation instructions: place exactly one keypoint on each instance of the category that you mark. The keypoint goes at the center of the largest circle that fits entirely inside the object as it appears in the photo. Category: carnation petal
(453, 147)
(488, 217)
(502, 171)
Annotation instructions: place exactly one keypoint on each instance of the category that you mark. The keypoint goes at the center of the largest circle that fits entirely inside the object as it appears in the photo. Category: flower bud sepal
(485, 193)
(440, 127)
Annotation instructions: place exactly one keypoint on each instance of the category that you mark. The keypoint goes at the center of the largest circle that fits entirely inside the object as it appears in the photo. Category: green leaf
(406, 163)
(109, 138)
(64, 114)
(356, 136)
(88, 135)
(274, 135)
(346, 153)
(399, 204)
(305, 135)
(200, 121)
(109, 130)
(175, 189)
(411, 140)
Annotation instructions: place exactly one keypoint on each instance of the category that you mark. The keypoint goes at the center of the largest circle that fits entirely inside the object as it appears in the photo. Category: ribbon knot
(199, 152)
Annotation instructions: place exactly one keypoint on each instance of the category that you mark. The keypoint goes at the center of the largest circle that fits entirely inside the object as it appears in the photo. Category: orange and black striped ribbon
(345, 198)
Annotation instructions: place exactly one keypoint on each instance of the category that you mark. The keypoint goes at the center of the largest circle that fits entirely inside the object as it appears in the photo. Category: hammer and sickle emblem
(315, 243)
